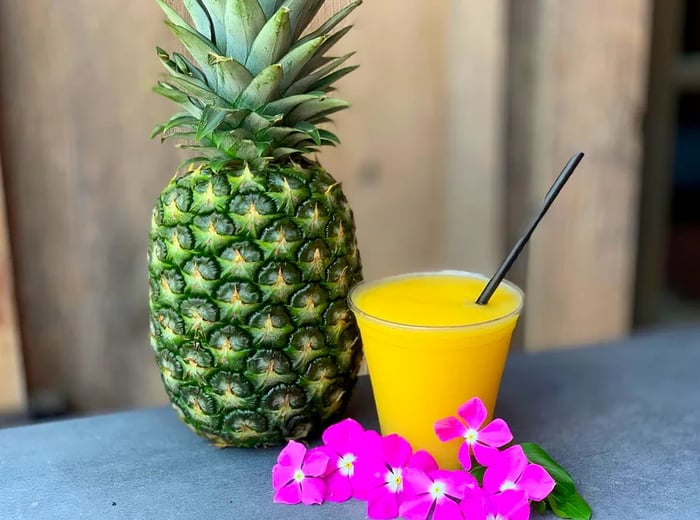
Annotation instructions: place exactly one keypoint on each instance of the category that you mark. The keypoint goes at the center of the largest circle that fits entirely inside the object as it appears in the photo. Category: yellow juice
(430, 348)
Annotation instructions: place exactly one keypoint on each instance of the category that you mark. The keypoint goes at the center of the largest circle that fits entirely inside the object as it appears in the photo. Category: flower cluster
(497, 481)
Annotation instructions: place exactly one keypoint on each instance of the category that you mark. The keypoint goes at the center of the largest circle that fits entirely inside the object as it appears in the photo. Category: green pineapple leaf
(313, 109)
(193, 89)
(310, 78)
(216, 10)
(287, 104)
(243, 21)
(333, 77)
(210, 121)
(331, 23)
(178, 97)
(186, 67)
(269, 7)
(293, 62)
(262, 89)
(272, 42)
(330, 137)
(327, 45)
(200, 17)
(310, 130)
(301, 13)
(199, 48)
(173, 16)
(181, 119)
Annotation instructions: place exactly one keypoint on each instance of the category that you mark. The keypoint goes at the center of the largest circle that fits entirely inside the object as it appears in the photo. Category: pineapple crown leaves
(258, 86)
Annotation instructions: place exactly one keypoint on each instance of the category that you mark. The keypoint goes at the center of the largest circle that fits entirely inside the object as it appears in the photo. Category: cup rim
(467, 274)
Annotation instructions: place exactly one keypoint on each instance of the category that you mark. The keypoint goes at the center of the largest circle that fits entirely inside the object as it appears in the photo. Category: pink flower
(346, 443)
(297, 476)
(509, 505)
(438, 491)
(381, 476)
(482, 443)
(510, 470)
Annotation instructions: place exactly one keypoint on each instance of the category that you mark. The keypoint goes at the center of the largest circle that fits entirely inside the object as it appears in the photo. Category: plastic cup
(423, 373)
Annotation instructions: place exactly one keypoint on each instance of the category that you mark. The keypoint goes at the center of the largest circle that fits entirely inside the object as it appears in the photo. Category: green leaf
(243, 21)
(287, 104)
(329, 136)
(278, 153)
(311, 110)
(536, 455)
(272, 42)
(310, 130)
(199, 47)
(331, 23)
(210, 121)
(478, 473)
(256, 123)
(269, 7)
(233, 77)
(184, 65)
(572, 506)
(216, 10)
(263, 88)
(173, 15)
(332, 78)
(195, 89)
(325, 66)
(321, 52)
(182, 119)
(301, 13)
(540, 506)
(296, 59)
(178, 97)
(200, 17)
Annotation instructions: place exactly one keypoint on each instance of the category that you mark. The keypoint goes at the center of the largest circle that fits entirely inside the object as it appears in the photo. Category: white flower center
(507, 486)
(394, 480)
(346, 465)
(471, 436)
(437, 490)
(298, 475)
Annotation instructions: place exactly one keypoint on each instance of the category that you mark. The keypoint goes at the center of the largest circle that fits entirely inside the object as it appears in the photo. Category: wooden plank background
(424, 161)
(586, 92)
(13, 397)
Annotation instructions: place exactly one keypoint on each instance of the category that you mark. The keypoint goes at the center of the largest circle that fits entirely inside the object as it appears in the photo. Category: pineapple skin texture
(249, 273)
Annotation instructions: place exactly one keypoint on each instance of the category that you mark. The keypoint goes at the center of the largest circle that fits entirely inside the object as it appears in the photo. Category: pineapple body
(252, 244)
(249, 273)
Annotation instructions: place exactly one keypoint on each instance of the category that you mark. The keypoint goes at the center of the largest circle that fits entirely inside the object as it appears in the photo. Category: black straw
(498, 276)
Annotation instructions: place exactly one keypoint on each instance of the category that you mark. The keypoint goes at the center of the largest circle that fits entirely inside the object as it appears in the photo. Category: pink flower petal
(423, 460)
(517, 460)
(292, 455)
(313, 490)
(536, 482)
(447, 509)
(464, 456)
(472, 504)
(290, 494)
(513, 505)
(473, 412)
(484, 455)
(281, 476)
(499, 471)
(316, 463)
(416, 508)
(382, 504)
(341, 436)
(455, 481)
(449, 428)
(338, 487)
(496, 434)
(416, 482)
(396, 450)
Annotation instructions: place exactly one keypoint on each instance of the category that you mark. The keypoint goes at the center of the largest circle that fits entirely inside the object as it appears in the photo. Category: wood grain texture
(392, 161)
(13, 396)
(474, 203)
(589, 69)
(82, 175)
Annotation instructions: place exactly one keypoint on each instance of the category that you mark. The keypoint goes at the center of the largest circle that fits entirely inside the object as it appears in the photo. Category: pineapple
(252, 246)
